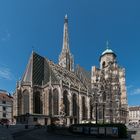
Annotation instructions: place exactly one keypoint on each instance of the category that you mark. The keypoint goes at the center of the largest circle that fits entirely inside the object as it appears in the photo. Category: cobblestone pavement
(41, 134)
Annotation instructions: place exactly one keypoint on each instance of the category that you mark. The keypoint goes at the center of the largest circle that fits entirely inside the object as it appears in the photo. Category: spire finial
(32, 48)
(107, 44)
(66, 18)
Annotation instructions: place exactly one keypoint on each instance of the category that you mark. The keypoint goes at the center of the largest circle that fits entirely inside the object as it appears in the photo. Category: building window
(75, 107)
(50, 102)
(3, 102)
(4, 108)
(103, 64)
(26, 101)
(37, 102)
(66, 103)
(55, 102)
(84, 109)
(4, 115)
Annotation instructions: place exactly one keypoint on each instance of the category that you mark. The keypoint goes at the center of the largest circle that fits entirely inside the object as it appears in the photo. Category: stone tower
(109, 80)
(107, 57)
(66, 59)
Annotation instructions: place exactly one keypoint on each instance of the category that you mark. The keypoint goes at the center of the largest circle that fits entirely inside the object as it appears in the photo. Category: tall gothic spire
(65, 35)
(65, 58)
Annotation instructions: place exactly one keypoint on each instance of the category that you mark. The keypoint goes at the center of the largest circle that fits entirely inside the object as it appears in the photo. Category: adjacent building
(6, 103)
(61, 94)
(134, 115)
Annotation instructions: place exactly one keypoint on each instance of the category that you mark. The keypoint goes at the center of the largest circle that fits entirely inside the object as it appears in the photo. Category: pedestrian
(7, 125)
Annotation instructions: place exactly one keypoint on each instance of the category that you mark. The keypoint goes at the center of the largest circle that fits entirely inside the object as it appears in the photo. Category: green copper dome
(107, 51)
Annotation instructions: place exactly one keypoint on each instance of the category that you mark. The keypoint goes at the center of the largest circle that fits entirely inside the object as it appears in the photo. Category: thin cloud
(129, 87)
(5, 73)
(4, 35)
(135, 92)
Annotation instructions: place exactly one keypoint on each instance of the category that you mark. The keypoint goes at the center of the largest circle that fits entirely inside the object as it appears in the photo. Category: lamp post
(96, 112)
(27, 115)
(95, 98)
(103, 113)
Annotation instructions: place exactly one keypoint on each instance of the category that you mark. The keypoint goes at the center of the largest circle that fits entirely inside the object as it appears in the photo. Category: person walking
(7, 125)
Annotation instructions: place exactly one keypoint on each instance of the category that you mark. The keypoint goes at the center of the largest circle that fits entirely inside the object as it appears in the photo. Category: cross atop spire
(107, 44)
(66, 17)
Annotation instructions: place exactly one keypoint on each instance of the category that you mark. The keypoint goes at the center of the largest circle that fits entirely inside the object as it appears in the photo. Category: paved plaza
(18, 132)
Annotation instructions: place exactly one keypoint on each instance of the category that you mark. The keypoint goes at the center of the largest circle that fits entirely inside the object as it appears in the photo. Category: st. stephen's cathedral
(61, 94)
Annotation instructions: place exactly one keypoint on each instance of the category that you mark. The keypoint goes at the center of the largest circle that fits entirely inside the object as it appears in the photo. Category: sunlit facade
(61, 94)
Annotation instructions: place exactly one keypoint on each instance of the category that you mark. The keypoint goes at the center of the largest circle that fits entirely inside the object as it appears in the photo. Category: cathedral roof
(41, 71)
(68, 78)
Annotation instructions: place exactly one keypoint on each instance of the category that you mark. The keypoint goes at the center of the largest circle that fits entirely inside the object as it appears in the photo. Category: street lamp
(96, 112)
(95, 98)
(103, 113)
(27, 115)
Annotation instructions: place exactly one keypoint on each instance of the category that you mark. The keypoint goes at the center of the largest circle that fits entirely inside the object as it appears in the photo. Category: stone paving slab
(5, 133)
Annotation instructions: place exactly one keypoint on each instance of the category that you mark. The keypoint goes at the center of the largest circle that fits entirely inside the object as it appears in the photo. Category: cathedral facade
(57, 93)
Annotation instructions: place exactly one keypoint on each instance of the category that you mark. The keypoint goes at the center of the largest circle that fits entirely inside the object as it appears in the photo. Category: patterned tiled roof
(40, 71)
(68, 77)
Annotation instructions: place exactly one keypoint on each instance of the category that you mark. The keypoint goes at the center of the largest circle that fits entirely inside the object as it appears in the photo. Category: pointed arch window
(84, 110)
(55, 102)
(50, 102)
(37, 102)
(25, 101)
(66, 103)
(74, 106)
(91, 108)
(19, 101)
(103, 64)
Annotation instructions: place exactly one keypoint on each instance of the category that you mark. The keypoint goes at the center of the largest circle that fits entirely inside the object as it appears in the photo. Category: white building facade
(6, 104)
(134, 115)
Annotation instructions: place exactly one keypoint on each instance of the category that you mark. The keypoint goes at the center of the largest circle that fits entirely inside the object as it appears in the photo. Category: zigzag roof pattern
(41, 71)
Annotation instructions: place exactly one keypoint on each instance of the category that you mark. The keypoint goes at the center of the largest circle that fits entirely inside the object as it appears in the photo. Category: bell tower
(107, 57)
(65, 58)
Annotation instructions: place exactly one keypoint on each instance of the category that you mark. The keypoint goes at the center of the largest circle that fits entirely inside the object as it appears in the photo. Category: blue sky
(39, 23)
